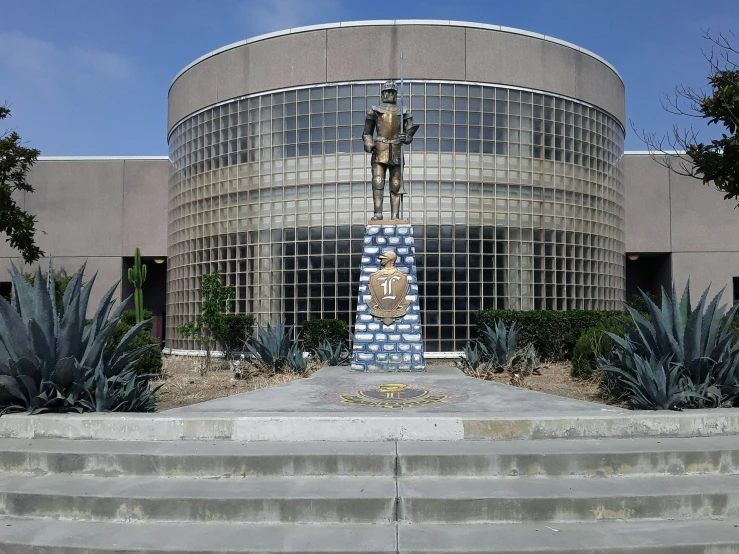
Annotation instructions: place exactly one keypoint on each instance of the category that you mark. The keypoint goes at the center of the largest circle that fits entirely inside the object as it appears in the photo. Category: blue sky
(90, 77)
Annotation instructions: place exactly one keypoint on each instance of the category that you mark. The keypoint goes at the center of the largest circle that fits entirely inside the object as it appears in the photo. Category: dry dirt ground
(554, 379)
(184, 384)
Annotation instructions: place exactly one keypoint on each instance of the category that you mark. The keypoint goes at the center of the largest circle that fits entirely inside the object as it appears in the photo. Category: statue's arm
(369, 128)
(408, 128)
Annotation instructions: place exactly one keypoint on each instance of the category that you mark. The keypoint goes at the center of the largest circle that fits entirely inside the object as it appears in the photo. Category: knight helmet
(389, 85)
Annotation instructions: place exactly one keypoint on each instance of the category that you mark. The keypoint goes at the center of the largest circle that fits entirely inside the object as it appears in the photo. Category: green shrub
(235, 330)
(151, 362)
(316, 331)
(553, 333)
(592, 344)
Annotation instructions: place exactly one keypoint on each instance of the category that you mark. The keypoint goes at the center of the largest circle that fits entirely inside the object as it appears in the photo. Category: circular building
(514, 179)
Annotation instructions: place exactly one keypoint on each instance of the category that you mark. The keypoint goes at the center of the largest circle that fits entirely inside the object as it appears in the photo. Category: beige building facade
(520, 192)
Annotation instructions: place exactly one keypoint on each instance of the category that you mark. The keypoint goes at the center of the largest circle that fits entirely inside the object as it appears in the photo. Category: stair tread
(678, 537)
(575, 446)
(195, 448)
(340, 487)
(197, 538)
(495, 487)
(673, 537)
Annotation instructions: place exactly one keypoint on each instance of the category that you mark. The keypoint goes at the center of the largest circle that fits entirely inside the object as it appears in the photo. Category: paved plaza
(338, 390)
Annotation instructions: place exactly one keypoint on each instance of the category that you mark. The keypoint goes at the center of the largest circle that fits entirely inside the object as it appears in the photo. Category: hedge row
(316, 331)
(553, 333)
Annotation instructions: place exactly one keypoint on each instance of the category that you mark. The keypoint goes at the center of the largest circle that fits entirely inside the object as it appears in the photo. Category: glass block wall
(516, 198)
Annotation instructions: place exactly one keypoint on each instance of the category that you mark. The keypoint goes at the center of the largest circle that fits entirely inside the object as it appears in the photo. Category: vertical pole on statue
(402, 129)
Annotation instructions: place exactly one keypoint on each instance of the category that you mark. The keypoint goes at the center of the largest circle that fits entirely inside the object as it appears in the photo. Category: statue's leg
(378, 188)
(395, 182)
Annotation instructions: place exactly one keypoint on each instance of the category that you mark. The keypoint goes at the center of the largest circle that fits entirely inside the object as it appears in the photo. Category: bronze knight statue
(386, 148)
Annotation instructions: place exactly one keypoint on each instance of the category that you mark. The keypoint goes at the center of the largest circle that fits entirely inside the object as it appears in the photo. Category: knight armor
(385, 120)
(392, 130)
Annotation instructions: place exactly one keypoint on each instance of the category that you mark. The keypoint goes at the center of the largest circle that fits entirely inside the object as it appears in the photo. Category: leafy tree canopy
(716, 161)
(18, 225)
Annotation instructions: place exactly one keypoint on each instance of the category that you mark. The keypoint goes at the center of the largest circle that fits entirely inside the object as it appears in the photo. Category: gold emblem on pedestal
(388, 287)
(393, 395)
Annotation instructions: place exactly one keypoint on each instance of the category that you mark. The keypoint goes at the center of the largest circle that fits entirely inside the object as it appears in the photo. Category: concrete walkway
(334, 390)
(338, 405)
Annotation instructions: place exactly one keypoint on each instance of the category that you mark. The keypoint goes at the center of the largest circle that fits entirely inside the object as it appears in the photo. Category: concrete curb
(331, 427)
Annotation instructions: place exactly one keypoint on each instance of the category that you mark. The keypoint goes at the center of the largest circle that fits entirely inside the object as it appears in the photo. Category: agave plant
(655, 384)
(497, 351)
(51, 360)
(527, 359)
(270, 347)
(295, 361)
(698, 341)
(499, 345)
(330, 355)
(472, 358)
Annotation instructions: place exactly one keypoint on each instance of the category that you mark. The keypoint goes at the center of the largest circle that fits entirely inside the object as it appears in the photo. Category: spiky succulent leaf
(50, 360)
(128, 338)
(103, 311)
(271, 346)
(499, 345)
(13, 334)
(294, 360)
(9, 386)
(699, 340)
(655, 384)
(327, 353)
(65, 372)
(74, 286)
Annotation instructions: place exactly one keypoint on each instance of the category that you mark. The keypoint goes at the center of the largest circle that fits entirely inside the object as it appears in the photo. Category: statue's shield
(388, 288)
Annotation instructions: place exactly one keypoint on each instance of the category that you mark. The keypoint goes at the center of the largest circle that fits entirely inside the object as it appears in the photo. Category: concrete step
(545, 458)
(582, 458)
(492, 500)
(200, 459)
(653, 537)
(448, 423)
(252, 500)
(44, 536)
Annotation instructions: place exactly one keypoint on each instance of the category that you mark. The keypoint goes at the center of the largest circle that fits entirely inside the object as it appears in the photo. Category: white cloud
(264, 16)
(97, 62)
(50, 65)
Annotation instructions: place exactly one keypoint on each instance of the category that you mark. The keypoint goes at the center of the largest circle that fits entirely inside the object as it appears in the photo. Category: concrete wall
(671, 213)
(95, 209)
(370, 50)
(647, 205)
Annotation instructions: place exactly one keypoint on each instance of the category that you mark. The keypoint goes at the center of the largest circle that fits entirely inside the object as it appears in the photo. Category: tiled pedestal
(399, 346)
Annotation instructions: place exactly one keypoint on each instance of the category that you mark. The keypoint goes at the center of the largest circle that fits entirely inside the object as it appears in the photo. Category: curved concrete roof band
(366, 50)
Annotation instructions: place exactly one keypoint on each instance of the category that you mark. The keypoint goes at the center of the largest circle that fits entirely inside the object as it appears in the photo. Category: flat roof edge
(648, 153)
(97, 158)
(389, 22)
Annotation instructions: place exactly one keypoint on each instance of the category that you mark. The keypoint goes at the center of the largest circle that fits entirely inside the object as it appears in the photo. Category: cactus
(137, 276)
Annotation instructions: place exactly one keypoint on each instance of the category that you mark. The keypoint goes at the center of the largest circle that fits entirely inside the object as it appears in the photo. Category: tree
(209, 325)
(681, 150)
(15, 162)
